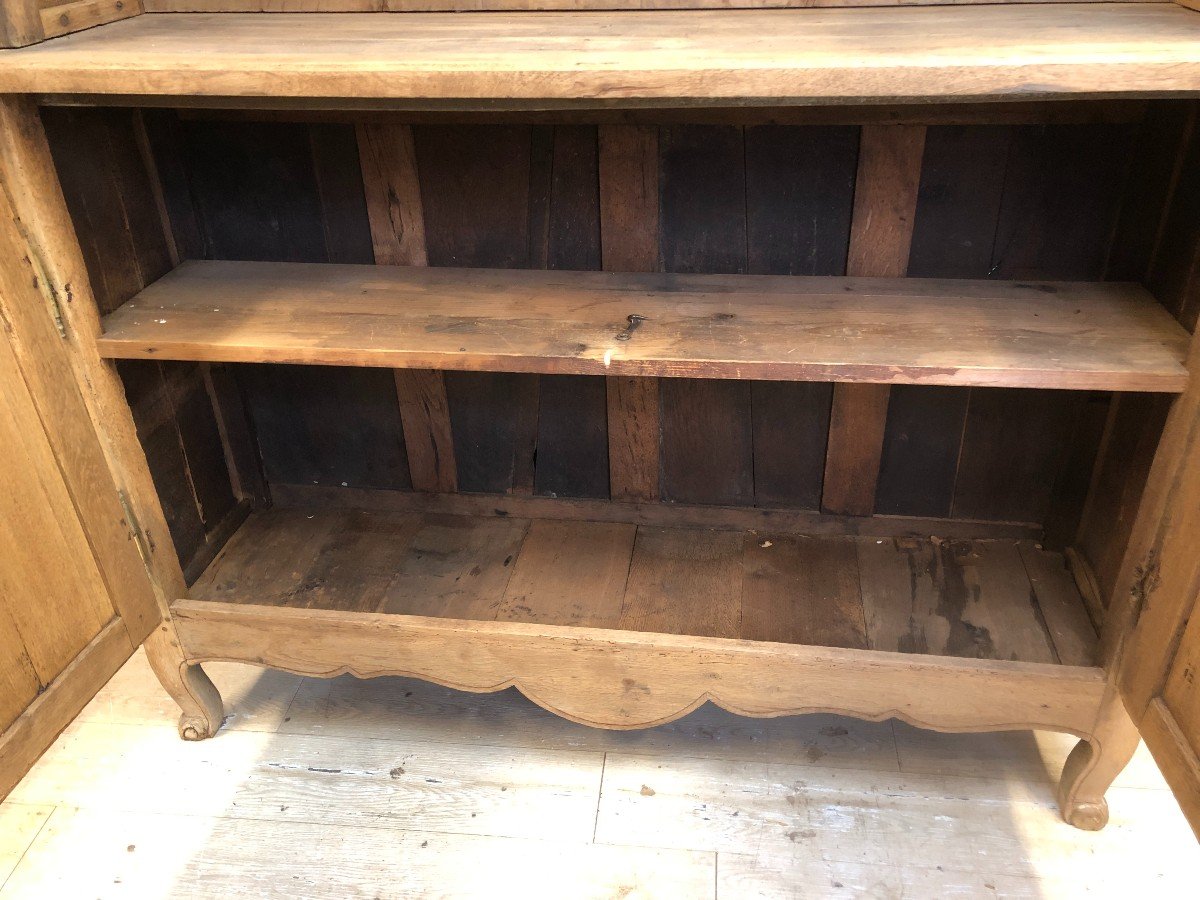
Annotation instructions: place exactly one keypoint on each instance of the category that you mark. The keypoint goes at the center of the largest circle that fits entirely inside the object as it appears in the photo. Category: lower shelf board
(999, 600)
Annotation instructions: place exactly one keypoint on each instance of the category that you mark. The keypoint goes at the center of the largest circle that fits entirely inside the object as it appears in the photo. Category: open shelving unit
(788, 359)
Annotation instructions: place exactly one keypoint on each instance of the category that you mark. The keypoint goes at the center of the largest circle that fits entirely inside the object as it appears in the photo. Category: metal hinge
(135, 528)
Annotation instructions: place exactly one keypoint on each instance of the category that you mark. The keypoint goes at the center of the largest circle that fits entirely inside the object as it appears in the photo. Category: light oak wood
(24, 22)
(277, 6)
(61, 700)
(1176, 756)
(49, 303)
(1067, 335)
(618, 679)
(730, 57)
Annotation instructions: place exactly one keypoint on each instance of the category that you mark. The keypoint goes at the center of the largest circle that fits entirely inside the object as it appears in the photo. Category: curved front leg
(197, 696)
(1095, 763)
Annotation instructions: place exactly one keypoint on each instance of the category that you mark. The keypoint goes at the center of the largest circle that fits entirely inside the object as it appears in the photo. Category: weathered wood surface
(967, 599)
(1081, 336)
(739, 57)
(24, 22)
(620, 679)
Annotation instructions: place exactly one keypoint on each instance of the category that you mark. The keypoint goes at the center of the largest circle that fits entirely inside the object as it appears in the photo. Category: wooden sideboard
(789, 359)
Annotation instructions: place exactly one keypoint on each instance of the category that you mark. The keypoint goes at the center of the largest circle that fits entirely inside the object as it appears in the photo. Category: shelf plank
(631, 57)
(889, 331)
(970, 599)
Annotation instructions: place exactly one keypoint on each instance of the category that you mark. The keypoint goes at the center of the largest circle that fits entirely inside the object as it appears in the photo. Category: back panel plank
(885, 201)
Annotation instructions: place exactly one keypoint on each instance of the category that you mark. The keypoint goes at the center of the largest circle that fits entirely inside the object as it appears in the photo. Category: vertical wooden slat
(885, 203)
(629, 240)
(393, 190)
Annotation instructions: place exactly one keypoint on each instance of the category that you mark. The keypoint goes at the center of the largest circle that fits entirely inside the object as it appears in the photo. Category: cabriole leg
(199, 699)
(1095, 763)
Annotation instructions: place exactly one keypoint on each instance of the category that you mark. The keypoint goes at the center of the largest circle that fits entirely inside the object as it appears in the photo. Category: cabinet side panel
(109, 180)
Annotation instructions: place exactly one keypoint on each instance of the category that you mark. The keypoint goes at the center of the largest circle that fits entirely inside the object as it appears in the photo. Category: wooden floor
(396, 788)
(999, 599)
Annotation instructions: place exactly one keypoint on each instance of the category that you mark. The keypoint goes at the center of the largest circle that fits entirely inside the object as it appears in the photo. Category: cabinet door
(75, 593)
(61, 635)
(1154, 632)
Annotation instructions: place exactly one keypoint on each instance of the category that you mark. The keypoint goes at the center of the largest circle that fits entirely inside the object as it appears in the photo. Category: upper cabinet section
(630, 58)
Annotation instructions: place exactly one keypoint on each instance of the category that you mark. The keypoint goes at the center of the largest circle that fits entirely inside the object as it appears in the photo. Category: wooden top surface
(904, 331)
(631, 57)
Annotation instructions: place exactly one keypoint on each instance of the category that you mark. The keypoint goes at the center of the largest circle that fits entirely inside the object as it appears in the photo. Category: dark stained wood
(802, 590)
(1175, 269)
(799, 196)
(476, 198)
(1014, 446)
(241, 447)
(574, 218)
(255, 190)
(1155, 170)
(340, 191)
(302, 416)
(628, 170)
(703, 181)
(1076, 473)
(164, 138)
(572, 444)
(707, 442)
(1134, 428)
(397, 223)
(921, 449)
(629, 206)
(493, 436)
(1061, 198)
(707, 453)
(978, 599)
(881, 228)
(791, 429)
(958, 205)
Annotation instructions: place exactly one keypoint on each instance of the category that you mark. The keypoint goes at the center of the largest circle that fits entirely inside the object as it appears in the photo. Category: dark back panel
(995, 201)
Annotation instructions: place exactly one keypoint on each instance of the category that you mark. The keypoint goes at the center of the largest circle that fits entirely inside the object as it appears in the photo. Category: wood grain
(1079, 336)
(968, 598)
(619, 679)
(881, 230)
(775, 56)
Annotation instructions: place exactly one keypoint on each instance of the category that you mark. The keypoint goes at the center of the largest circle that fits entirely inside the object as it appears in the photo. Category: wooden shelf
(738, 57)
(997, 600)
(900, 331)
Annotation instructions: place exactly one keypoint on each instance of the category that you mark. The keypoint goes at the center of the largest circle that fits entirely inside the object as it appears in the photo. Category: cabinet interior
(309, 449)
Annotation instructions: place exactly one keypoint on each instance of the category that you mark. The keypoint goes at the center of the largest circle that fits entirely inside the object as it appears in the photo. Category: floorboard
(494, 788)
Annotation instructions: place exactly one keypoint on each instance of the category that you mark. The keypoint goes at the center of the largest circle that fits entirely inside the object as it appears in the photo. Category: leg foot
(1094, 764)
(187, 684)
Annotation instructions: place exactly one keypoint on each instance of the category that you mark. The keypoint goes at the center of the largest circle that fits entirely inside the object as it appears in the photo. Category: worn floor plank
(981, 599)
(808, 806)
